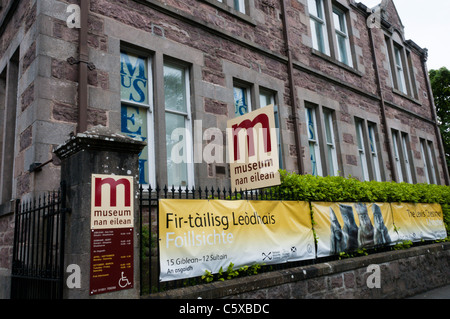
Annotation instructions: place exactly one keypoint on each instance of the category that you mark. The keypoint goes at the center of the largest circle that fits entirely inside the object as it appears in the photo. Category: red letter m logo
(99, 182)
(262, 119)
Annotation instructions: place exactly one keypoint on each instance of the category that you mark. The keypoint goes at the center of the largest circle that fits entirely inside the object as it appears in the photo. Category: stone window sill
(336, 62)
(224, 7)
(400, 93)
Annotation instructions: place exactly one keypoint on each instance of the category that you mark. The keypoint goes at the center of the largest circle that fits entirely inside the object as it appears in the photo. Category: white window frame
(333, 170)
(362, 150)
(348, 60)
(318, 21)
(314, 143)
(150, 120)
(188, 125)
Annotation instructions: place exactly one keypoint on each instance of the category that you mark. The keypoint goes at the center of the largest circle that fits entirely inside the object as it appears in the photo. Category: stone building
(351, 93)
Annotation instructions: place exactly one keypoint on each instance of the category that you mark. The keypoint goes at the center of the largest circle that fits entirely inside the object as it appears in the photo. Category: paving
(440, 293)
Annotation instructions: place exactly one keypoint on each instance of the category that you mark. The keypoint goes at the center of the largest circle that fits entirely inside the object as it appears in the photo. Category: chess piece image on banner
(366, 231)
(381, 235)
(338, 240)
(350, 227)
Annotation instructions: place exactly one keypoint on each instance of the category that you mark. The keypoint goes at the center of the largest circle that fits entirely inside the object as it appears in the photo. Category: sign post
(112, 231)
(253, 150)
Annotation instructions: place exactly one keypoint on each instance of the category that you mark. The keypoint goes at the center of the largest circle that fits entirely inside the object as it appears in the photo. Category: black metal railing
(38, 249)
(149, 230)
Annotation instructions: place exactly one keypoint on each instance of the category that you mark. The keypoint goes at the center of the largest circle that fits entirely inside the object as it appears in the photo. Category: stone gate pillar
(97, 151)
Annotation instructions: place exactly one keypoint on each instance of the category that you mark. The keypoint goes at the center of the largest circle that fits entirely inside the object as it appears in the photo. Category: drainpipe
(434, 117)
(83, 72)
(290, 66)
(383, 110)
(84, 64)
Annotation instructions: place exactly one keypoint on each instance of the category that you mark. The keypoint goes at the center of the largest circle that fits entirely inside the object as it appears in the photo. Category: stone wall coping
(217, 290)
(100, 138)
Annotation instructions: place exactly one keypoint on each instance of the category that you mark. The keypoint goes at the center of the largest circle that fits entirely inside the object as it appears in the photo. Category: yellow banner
(199, 235)
(418, 222)
(346, 227)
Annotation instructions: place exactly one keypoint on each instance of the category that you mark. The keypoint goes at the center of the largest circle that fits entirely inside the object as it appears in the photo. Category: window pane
(134, 124)
(315, 8)
(319, 36)
(311, 124)
(397, 156)
(339, 21)
(175, 88)
(331, 145)
(241, 102)
(374, 151)
(134, 81)
(314, 146)
(400, 70)
(342, 44)
(177, 174)
(361, 150)
(431, 163)
(409, 166)
(312, 151)
(239, 5)
(265, 99)
(328, 128)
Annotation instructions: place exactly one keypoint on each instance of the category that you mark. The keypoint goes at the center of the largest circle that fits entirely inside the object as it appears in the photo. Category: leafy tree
(440, 84)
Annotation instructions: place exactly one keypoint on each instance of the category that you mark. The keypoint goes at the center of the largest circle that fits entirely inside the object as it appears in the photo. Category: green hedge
(340, 189)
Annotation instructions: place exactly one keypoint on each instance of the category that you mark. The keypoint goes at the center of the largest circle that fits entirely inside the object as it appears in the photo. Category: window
(398, 163)
(137, 117)
(342, 38)
(362, 149)
(374, 151)
(399, 69)
(409, 168)
(8, 110)
(178, 124)
(318, 26)
(242, 100)
(136, 109)
(313, 140)
(402, 154)
(326, 17)
(428, 160)
(333, 168)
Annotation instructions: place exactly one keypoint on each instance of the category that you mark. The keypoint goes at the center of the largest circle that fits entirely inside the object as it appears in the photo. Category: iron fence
(38, 249)
(149, 230)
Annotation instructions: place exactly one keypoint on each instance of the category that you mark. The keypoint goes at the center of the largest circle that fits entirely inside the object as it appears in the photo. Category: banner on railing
(200, 235)
(416, 222)
(346, 227)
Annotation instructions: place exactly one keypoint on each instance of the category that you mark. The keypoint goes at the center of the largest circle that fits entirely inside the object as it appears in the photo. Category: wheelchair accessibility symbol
(123, 281)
